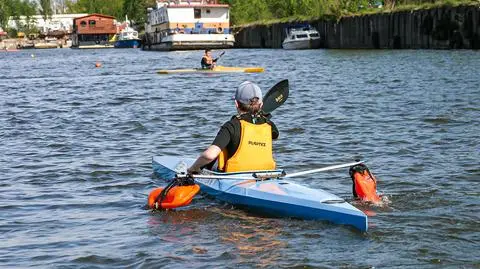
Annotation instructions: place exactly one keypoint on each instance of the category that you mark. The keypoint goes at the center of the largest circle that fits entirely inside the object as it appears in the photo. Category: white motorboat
(127, 37)
(301, 37)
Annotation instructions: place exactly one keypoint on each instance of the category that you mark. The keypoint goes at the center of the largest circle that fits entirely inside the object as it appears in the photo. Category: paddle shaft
(332, 167)
(258, 175)
(216, 59)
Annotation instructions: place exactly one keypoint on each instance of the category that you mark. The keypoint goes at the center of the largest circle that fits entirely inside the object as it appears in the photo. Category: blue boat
(270, 195)
(127, 38)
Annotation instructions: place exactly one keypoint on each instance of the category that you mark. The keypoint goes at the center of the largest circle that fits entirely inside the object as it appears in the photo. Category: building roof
(96, 14)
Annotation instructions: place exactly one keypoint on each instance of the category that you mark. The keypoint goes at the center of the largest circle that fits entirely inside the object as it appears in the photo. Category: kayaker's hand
(193, 170)
(266, 115)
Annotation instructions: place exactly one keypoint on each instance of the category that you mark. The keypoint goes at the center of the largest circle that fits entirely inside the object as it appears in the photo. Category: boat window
(83, 23)
(314, 35)
(197, 13)
(208, 11)
(302, 36)
(92, 22)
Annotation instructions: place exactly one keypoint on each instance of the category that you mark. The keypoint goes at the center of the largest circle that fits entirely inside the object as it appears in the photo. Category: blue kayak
(274, 197)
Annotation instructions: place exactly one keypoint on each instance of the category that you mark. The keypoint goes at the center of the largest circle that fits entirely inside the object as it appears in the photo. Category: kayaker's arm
(275, 132)
(208, 156)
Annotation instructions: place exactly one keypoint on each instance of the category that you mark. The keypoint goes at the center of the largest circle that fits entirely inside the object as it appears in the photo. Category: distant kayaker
(244, 143)
(207, 60)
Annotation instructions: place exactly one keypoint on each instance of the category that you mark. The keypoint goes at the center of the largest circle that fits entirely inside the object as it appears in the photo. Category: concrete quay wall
(437, 28)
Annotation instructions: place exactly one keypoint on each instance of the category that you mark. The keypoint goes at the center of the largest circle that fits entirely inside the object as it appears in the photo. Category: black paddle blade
(276, 96)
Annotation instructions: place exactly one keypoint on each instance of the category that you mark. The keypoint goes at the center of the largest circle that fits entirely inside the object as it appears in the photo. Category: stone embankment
(438, 28)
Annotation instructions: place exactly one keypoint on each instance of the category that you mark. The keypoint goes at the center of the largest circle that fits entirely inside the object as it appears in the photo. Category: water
(77, 143)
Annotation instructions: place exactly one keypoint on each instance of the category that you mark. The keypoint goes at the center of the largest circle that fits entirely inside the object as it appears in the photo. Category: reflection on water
(255, 239)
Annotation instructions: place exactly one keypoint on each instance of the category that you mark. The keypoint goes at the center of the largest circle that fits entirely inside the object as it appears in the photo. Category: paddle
(276, 96)
(221, 54)
(273, 174)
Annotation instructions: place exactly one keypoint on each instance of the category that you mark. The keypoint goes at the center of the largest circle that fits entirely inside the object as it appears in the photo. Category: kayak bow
(275, 197)
(217, 69)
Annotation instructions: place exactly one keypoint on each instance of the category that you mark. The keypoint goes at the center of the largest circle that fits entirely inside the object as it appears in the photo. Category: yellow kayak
(217, 69)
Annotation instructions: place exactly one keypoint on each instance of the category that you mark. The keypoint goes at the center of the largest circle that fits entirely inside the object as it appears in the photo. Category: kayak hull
(274, 197)
(218, 69)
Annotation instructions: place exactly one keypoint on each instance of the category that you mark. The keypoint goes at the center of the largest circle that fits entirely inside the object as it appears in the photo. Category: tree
(107, 7)
(28, 8)
(137, 10)
(46, 9)
(5, 13)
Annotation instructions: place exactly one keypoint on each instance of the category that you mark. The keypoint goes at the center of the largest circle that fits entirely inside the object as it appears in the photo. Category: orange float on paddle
(364, 184)
(176, 197)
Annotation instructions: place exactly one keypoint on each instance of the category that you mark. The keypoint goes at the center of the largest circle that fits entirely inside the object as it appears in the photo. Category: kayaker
(244, 143)
(207, 60)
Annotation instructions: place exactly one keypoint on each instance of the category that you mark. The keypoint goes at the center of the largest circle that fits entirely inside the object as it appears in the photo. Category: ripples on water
(77, 143)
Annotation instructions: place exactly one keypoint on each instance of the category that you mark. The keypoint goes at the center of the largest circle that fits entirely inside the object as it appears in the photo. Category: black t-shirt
(229, 135)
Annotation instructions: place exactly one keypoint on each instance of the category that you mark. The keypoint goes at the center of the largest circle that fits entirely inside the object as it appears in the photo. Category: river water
(77, 143)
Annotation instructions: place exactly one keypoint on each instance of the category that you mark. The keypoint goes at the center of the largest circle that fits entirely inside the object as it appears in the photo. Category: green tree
(5, 13)
(137, 11)
(28, 8)
(106, 7)
(46, 9)
(248, 11)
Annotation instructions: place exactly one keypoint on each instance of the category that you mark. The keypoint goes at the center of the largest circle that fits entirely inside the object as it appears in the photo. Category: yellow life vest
(208, 60)
(254, 151)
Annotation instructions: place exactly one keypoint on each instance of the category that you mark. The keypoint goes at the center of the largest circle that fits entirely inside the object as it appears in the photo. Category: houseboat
(93, 31)
(188, 24)
(302, 36)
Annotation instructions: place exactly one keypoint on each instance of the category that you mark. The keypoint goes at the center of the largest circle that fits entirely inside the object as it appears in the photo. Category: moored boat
(127, 37)
(271, 196)
(188, 25)
(47, 43)
(217, 69)
(301, 37)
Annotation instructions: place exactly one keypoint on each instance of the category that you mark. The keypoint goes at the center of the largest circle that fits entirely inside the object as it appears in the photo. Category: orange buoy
(176, 197)
(98, 64)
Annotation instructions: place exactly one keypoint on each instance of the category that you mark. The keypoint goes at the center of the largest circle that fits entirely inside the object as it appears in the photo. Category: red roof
(96, 14)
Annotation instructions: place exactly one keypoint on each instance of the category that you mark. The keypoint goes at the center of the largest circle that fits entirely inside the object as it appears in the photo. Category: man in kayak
(207, 60)
(244, 143)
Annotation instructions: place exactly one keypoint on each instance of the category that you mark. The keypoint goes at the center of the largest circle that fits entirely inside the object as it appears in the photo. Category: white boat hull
(301, 44)
(193, 42)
